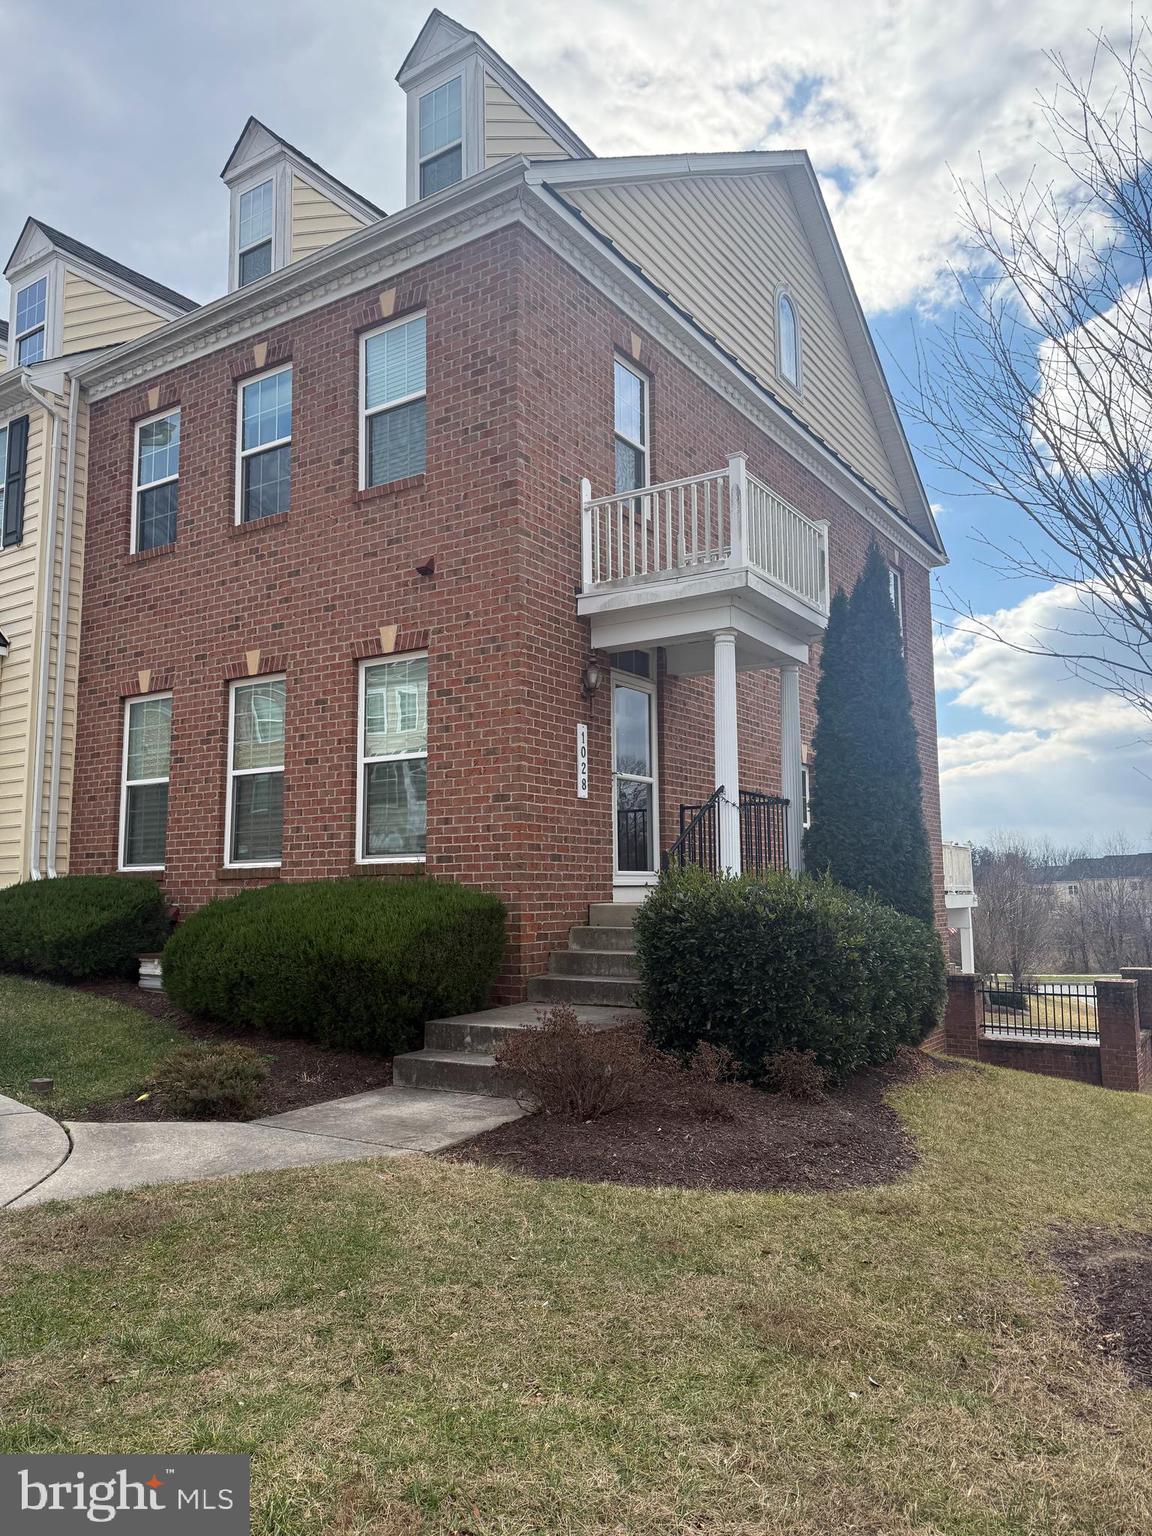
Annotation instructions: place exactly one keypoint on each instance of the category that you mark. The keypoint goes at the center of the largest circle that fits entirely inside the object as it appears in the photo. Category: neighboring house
(960, 899)
(1130, 871)
(501, 531)
(69, 303)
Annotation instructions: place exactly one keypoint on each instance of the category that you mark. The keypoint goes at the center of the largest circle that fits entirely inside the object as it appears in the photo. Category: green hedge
(361, 963)
(761, 964)
(79, 926)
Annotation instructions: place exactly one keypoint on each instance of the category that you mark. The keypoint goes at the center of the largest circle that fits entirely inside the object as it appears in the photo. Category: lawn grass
(418, 1348)
(93, 1049)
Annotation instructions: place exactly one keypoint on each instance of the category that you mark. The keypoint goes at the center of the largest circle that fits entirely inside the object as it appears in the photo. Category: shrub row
(79, 926)
(763, 964)
(354, 963)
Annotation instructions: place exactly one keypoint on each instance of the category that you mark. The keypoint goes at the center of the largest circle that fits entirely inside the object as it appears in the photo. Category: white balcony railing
(724, 520)
(957, 867)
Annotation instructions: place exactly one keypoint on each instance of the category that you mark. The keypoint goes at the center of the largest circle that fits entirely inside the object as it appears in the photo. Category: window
(639, 663)
(806, 795)
(787, 341)
(31, 317)
(265, 438)
(441, 151)
(631, 428)
(13, 465)
(896, 593)
(255, 817)
(392, 384)
(144, 798)
(254, 234)
(393, 790)
(157, 482)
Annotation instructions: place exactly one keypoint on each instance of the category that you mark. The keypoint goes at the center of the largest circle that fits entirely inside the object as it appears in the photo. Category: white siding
(96, 317)
(720, 245)
(509, 130)
(316, 220)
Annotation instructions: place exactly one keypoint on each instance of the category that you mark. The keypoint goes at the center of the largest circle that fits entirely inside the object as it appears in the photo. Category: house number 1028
(582, 762)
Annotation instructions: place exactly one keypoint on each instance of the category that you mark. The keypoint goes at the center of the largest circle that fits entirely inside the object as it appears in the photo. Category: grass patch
(93, 1049)
(423, 1348)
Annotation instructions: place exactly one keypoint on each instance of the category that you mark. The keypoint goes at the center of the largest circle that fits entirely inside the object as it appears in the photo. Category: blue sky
(119, 135)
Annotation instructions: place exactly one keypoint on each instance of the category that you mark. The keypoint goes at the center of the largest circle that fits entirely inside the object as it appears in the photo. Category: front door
(636, 821)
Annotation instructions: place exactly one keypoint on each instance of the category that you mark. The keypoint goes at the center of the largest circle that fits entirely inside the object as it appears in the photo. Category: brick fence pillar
(962, 1016)
(1142, 976)
(1122, 1054)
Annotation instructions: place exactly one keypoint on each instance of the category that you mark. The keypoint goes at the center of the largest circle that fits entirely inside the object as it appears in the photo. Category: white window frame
(243, 453)
(796, 385)
(232, 773)
(268, 177)
(3, 469)
(645, 448)
(805, 796)
(391, 405)
(363, 761)
(896, 596)
(648, 685)
(470, 72)
(137, 487)
(42, 327)
(422, 160)
(136, 698)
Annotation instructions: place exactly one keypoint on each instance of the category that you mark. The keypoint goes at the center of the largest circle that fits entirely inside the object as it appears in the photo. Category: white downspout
(48, 545)
(62, 634)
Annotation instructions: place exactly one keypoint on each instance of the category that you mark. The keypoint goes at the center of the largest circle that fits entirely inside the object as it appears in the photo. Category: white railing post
(586, 534)
(737, 502)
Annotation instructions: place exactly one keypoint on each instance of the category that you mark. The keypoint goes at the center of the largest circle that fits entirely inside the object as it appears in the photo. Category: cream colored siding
(96, 317)
(720, 245)
(19, 580)
(316, 220)
(509, 130)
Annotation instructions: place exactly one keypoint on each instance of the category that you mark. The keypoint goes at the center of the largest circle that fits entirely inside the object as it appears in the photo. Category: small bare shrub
(796, 1074)
(710, 1069)
(210, 1081)
(577, 1073)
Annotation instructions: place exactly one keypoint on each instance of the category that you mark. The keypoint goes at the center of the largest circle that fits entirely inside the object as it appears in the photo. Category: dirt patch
(851, 1138)
(300, 1071)
(1110, 1277)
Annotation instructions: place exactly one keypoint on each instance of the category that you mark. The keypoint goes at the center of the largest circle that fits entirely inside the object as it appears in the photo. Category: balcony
(672, 563)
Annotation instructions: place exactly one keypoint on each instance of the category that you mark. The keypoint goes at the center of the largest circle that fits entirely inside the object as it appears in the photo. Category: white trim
(133, 521)
(363, 410)
(231, 773)
(137, 698)
(265, 176)
(243, 453)
(648, 685)
(619, 359)
(783, 295)
(44, 328)
(362, 762)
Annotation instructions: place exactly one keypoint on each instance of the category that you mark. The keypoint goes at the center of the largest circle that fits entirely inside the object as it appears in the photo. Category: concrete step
(602, 991)
(602, 938)
(594, 962)
(481, 1033)
(611, 914)
(451, 1072)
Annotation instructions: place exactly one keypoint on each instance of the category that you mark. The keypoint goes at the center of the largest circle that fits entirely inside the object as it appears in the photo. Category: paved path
(41, 1161)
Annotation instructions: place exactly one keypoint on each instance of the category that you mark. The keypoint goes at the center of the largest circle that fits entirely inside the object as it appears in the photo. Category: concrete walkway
(40, 1161)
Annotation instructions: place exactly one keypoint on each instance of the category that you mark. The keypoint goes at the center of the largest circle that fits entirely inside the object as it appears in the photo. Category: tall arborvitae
(867, 811)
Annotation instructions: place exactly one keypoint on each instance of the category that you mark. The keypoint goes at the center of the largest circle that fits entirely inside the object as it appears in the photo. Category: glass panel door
(634, 763)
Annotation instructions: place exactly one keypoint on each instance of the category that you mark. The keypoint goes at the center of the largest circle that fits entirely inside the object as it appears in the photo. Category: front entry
(636, 824)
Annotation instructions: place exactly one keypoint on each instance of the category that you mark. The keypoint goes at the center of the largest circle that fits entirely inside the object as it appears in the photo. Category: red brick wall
(520, 406)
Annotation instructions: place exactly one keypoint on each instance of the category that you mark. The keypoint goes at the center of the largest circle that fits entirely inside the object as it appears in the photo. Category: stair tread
(435, 1053)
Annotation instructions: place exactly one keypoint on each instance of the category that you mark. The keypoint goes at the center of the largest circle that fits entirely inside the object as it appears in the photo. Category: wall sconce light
(591, 678)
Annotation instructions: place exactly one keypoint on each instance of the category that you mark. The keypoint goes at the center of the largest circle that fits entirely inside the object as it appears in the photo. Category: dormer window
(441, 138)
(254, 253)
(31, 320)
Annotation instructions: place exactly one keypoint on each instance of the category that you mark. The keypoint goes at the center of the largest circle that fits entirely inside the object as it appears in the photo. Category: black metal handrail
(699, 840)
(763, 831)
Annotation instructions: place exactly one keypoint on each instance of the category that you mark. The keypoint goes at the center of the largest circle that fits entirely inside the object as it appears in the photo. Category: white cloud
(884, 97)
(1053, 756)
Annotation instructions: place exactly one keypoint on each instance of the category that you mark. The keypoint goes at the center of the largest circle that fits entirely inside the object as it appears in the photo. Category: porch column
(791, 764)
(967, 946)
(727, 747)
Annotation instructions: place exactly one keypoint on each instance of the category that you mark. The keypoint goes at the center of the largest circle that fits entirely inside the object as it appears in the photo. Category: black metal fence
(763, 831)
(1039, 1008)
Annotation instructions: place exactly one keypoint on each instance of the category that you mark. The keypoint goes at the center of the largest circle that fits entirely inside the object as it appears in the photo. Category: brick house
(489, 538)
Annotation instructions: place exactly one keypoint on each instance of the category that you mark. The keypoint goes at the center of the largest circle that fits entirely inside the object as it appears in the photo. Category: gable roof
(102, 263)
(565, 180)
(255, 125)
(1109, 866)
(441, 37)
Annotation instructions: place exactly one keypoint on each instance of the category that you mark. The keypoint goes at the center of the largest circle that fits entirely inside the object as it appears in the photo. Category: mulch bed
(300, 1071)
(1110, 1277)
(850, 1138)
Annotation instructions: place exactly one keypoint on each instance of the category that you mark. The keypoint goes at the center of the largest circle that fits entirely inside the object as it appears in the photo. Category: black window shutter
(14, 472)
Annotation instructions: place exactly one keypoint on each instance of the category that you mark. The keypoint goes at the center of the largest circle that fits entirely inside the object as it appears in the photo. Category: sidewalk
(40, 1160)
